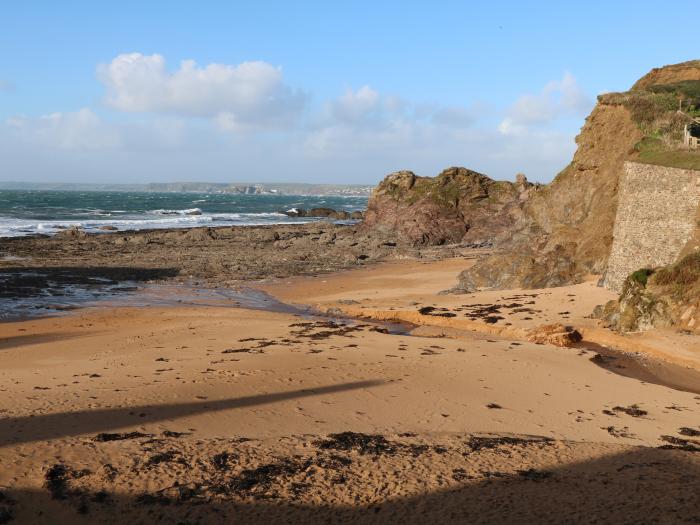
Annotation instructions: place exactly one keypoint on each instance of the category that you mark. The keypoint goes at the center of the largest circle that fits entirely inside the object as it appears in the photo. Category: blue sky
(314, 91)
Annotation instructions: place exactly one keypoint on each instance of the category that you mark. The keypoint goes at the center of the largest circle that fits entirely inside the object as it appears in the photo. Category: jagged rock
(329, 213)
(526, 269)
(320, 212)
(200, 234)
(268, 236)
(554, 334)
(459, 205)
(108, 228)
(73, 232)
(667, 297)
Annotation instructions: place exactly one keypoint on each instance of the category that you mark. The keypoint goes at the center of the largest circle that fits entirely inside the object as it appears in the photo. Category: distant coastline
(237, 188)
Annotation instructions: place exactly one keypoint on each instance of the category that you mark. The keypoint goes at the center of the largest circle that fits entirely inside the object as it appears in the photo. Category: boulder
(320, 212)
(72, 232)
(525, 269)
(268, 236)
(554, 334)
(200, 234)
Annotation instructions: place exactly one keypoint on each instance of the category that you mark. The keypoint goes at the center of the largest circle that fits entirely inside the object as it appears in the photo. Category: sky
(335, 92)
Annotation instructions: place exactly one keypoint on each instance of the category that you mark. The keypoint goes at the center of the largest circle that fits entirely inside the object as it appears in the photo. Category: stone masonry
(656, 215)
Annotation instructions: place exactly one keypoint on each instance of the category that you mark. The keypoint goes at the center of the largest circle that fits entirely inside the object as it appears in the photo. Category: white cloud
(179, 126)
(247, 95)
(354, 106)
(558, 99)
(364, 121)
(78, 130)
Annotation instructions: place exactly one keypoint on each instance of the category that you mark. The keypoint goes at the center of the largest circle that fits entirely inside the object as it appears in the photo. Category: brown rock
(459, 205)
(525, 269)
(554, 334)
(73, 232)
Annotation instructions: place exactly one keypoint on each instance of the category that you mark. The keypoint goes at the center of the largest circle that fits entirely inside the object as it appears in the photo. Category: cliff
(574, 216)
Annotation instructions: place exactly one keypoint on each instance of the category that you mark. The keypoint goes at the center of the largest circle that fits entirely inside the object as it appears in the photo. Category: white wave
(189, 211)
(11, 227)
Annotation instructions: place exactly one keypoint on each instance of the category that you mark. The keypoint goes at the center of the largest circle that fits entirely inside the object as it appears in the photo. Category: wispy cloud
(193, 122)
(558, 98)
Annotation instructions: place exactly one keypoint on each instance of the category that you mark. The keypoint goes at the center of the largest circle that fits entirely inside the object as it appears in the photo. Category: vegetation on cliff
(662, 111)
(580, 205)
(666, 297)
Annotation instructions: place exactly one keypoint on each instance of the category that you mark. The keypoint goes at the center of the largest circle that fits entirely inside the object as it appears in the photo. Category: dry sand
(232, 410)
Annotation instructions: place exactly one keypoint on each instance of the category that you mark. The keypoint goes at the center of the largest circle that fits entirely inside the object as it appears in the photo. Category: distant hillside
(283, 188)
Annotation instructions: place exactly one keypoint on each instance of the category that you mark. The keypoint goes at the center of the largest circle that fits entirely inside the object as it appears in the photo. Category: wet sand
(210, 414)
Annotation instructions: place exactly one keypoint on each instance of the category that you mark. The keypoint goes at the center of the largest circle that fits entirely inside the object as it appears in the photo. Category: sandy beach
(276, 263)
(213, 414)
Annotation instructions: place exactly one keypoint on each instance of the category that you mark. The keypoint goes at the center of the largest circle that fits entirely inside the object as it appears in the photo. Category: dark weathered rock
(459, 205)
(524, 269)
(210, 255)
(329, 213)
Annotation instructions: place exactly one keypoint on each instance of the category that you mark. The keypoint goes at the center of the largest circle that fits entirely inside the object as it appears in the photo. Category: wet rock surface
(48, 266)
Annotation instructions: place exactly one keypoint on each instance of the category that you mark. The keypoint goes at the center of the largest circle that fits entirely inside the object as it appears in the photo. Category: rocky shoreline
(218, 257)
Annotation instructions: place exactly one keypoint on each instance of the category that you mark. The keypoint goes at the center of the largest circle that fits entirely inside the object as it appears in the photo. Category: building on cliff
(691, 135)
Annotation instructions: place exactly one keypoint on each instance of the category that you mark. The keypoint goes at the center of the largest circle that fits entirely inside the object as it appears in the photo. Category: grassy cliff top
(661, 111)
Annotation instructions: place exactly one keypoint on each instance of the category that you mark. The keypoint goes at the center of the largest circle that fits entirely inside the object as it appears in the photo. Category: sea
(48, 212)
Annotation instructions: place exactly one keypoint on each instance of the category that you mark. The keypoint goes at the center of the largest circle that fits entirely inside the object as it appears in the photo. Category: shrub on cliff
(661, 298)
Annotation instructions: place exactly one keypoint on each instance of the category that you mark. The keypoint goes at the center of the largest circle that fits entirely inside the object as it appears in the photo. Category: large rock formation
(573, 217)
(459, 205)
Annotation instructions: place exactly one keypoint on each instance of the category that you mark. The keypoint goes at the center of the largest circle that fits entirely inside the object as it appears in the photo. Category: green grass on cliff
(687, 160)
(641, 276)
(655, 111)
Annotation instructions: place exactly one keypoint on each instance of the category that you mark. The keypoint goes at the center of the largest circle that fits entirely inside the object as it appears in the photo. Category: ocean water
(47, 212)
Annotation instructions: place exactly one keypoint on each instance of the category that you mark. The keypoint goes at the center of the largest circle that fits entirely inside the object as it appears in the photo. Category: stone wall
(656, 217)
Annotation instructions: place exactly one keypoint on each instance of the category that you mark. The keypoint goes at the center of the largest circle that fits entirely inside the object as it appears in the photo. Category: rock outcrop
(554, 334)
(328, 213)
(459, 205)
(667, 297)
(526, 268)
(578, 209)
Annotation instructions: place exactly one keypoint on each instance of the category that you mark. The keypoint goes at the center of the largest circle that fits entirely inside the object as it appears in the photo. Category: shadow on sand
(6, 343)
(645, 485)
(15, 430)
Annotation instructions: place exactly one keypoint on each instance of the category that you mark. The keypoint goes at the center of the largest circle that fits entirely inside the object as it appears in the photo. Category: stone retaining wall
(656, 216)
